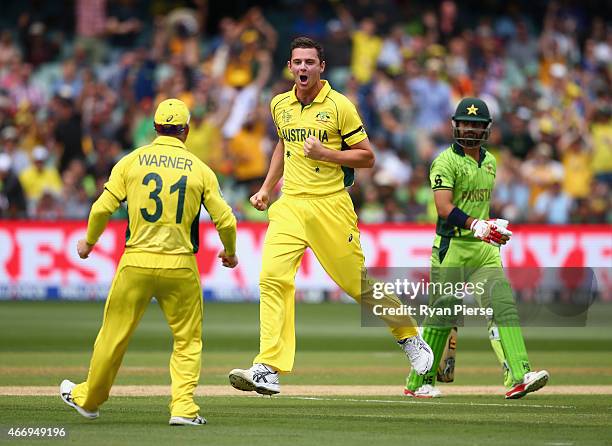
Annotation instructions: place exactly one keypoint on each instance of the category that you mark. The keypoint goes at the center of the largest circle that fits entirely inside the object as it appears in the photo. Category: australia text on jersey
(300, 135)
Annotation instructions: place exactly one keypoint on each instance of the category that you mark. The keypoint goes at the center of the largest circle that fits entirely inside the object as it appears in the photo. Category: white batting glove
(494, 232)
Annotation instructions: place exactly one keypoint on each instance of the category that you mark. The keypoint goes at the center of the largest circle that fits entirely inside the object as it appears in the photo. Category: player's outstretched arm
(360, 154)
(99, 215)
(261, 199)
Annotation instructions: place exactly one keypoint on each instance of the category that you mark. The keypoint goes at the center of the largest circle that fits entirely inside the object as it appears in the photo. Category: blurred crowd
(78, 93)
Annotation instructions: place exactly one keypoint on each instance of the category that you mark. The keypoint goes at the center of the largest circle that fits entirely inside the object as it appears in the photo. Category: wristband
(457, 217)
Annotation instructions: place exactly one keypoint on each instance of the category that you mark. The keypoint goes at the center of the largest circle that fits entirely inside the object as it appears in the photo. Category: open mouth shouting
(303, 80)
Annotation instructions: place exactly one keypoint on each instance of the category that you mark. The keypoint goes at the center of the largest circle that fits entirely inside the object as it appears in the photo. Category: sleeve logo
(438, 180)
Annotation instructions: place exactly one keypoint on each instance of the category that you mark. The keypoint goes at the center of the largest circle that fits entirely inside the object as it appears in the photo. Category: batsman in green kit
(466, 249)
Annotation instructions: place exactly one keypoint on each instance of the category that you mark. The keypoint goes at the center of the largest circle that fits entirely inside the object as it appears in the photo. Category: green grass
(44, 342)
(72, 326)
(283, 420)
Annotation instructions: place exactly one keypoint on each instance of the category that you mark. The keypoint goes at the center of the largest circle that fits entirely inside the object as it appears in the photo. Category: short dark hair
(169, 130)
(306, 42)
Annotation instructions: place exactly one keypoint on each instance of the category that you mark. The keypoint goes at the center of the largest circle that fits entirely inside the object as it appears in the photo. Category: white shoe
(419, 354)
(182, 421)
(425, 391)
(66, 396)
(532, 381)
(260, 378)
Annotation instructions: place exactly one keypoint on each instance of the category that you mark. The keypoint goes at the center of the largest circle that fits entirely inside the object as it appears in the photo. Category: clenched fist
(228, 261)
(84, 248)
(260, 200)
(313, 149)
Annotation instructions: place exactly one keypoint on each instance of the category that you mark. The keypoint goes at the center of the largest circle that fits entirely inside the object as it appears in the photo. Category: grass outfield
(44, 342)
(551, 420)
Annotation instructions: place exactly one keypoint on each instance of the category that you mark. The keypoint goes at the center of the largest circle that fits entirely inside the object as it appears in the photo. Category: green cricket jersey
(471, 183)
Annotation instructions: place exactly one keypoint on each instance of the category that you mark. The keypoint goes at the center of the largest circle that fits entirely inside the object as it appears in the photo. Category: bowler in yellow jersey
(321, 141)
(165, 187)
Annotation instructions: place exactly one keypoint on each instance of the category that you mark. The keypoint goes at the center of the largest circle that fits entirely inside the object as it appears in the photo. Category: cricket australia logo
(323, 116)
(286, 116)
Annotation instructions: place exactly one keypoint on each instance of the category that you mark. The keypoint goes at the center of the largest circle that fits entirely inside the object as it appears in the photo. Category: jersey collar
(320, 96)
(169, 141)
(459, 151)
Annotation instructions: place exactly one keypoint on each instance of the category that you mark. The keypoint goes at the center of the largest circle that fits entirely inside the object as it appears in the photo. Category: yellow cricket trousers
(179, 295)
(328, 226)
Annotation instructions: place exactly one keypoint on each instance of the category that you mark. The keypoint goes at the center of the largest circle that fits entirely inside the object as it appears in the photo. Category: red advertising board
(39, 259)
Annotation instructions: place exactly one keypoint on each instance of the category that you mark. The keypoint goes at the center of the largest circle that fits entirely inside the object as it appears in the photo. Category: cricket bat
(446, 368)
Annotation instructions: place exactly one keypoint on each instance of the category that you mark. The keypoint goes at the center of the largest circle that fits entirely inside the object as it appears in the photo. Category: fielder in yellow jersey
(321, 141)
(164, 186)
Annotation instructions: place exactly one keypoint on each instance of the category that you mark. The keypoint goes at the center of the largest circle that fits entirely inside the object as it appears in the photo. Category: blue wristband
(457, 217)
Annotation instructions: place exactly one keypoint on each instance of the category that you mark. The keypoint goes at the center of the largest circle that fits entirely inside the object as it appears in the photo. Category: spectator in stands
(123, 25)
(248, 150)
(40, 176)
(389, 163)
(433, 94)
(511, 192)
(205, 138)
(12, 200)
(142, 131)
(75, 202)
(542, 87)
(337, 46)
(91, 28)
(576, 159)
(366, 45)
(523, 47)
(10, 146)
(416, 197)
(38, 47)
(8, 50)
(541, 171)
(70, 84)
(24, 92)
(391, 58)
(67, 133)
(48, 206)
(247, 94)
(309, 22)
(516, 136)
(601, 131)
(395, 109)
(601, 203)
(372, 211)
(552, 206)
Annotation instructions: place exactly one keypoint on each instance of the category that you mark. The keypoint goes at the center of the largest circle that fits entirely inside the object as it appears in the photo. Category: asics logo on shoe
(261, 376)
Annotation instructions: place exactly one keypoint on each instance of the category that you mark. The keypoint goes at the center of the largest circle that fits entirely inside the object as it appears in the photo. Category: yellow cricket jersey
(333, 119)
(164, 186)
